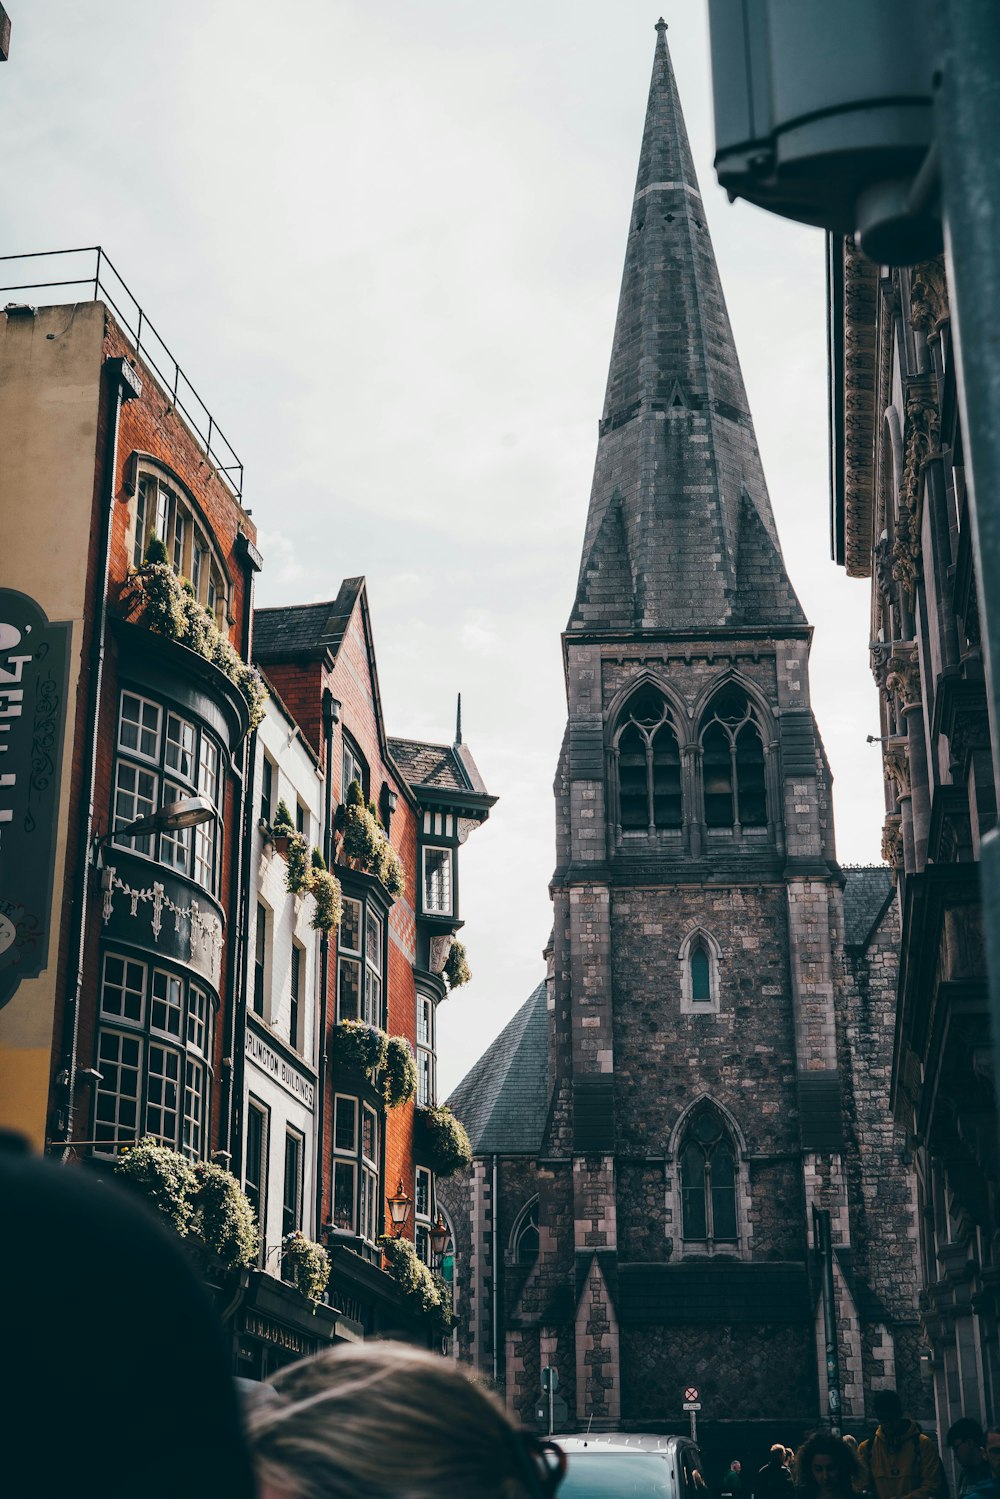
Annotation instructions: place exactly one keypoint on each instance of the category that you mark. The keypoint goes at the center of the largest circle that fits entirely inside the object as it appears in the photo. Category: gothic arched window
(701, 974)
(524, 1241)
(708, 1181)
(649, 765)
(733, 764)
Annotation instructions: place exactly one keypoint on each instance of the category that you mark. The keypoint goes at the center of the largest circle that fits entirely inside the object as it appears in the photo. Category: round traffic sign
(691, 1393)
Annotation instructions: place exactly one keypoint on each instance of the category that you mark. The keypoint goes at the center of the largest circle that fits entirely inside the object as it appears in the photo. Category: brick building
(708, 1059)
(385, 964)
(120, 957)
(901, 518)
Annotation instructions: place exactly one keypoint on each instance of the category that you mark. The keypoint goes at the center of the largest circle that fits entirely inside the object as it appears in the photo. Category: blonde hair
(386, 1420)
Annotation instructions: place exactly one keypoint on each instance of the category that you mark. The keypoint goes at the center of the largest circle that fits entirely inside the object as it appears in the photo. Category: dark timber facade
(709, 1058)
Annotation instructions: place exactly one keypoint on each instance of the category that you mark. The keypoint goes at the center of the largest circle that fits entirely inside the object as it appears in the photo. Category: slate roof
(680, 533)
(305, 631)
(716, 1290)
(503, 1101)
(430, 764)
(867, 894)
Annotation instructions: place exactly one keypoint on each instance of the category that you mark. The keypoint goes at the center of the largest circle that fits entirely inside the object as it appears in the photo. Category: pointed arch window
(708, 1182)
(701, 974)
(733, 767)
(648, 762)
(524, 1239)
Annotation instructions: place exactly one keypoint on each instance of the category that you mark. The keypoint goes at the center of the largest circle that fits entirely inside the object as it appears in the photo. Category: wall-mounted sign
(33, 670)
(275, 1066)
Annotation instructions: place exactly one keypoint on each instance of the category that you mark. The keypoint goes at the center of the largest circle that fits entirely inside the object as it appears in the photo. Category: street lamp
(399, 1206)
(439, 1241)
(185, 812)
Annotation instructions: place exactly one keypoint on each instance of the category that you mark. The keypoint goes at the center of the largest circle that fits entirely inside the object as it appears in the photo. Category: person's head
(776, 1456)
(852, 1442)
(887, 1408)
(992, 1445)
(789, 1455)
(825, 1465)
(107, 1327)
(734, 1466)
(966, 1439)
(393, 1420)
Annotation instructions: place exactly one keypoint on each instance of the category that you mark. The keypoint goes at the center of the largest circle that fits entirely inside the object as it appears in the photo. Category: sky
(385, 242)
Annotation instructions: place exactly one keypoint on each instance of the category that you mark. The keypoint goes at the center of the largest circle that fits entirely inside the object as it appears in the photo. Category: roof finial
(458, 721)
(661, 24)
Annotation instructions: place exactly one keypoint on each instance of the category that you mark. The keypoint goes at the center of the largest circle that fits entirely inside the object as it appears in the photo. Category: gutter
(122, 384)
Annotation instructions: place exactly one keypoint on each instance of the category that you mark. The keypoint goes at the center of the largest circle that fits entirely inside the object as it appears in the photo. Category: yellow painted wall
(50, 370)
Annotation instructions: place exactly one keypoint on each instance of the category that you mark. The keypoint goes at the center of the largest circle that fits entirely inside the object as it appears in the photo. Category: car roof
(625, 1441)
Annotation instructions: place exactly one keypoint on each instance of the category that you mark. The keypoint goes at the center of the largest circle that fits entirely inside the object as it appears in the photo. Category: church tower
(701, 974)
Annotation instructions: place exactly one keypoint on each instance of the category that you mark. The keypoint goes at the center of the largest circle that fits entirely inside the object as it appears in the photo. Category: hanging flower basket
(358, 1047)
(441, 1141)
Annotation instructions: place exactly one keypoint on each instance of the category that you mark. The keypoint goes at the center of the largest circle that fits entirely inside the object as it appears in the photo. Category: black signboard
(34, 658)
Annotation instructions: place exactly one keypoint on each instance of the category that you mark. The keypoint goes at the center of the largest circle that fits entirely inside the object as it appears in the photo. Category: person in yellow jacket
(899, 1462)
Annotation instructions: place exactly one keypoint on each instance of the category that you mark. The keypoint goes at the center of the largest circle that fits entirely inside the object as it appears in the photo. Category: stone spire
(680, 534)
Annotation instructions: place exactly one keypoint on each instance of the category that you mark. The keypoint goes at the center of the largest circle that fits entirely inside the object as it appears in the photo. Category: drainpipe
(824, 1252)
(121, 384)
(331, 710)
(234, 1063)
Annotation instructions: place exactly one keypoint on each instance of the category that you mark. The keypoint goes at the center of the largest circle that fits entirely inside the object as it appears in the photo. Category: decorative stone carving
(902, 676)
(464, 826)
(920, 443)
(440, 948)
(883, 567)
(892, 841)
(929, 296)
(896, 766)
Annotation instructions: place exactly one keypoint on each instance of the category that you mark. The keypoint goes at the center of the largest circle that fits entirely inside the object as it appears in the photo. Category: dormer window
(164, 511)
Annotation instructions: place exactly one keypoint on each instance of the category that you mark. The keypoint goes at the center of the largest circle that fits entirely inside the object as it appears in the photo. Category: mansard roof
(680, 534)
(305, 631)
(503, 1101)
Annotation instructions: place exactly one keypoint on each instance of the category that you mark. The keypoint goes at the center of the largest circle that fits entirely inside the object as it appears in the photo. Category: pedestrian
(387, 1419)
(115, 1378)
(967, 1439)
(774, 1480)
(826, 1468)
(899, 1461)
(732, 1484)
(992, 1446)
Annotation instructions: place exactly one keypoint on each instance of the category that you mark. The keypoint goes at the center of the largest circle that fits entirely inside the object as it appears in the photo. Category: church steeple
(680, 534)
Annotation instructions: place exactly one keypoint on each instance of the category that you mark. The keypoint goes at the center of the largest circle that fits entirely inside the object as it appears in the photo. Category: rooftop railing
(103, 282)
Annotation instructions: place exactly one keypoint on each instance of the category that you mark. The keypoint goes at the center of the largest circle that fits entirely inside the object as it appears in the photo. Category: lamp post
(439, 1237)
(399, 1205)
(185, 812)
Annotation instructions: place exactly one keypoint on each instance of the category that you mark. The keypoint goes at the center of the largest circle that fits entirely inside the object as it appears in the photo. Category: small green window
(701, 985)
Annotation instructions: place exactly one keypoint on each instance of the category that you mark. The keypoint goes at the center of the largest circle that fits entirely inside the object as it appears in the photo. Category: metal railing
(104, 282)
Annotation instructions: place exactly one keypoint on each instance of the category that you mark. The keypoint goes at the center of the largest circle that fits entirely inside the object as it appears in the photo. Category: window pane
(368, 1227)
(294, 1002)
(666, 779)
(425, 1014)
(723, 1169)
(179, 754)
(165, 1008)
(369, 1134)
(373, 942)
(349, 989)
(205, 837)
(700, 975)
(123, 988)
(260, 959)
(142, 506)
(422, 1193)
(693, 1193)
(345, 1126)
(718, 773)
(193, 1140)
(344, 1194)
(424, 1073)
(197, 1019)
(135, 797)
(266, 788)
(139, 726)
(178, 548)
(633, 791)
(197, 568)
(208, 770)
(119, 1061)
(437, 880)
(291, 1204)
(175, 843)
(163, 1094)
(750, 778)
(350, 926)
(255, 1171)
(373, 998)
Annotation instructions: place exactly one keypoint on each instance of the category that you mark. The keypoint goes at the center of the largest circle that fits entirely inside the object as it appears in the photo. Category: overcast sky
(385, 239)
